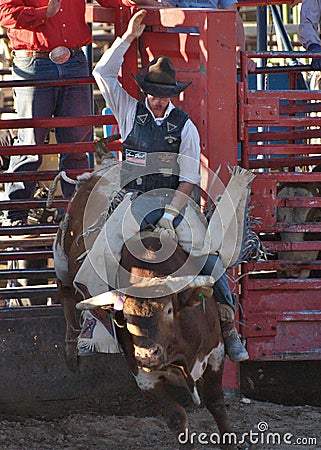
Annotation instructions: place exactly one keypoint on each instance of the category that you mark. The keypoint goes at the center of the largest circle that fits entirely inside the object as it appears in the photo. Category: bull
(172, 333)
(169, 326)
(298, 215)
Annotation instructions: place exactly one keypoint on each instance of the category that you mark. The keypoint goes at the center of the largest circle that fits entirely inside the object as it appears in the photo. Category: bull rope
(61, 175)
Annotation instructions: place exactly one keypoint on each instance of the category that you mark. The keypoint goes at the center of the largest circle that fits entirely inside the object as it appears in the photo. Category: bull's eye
(168, 310)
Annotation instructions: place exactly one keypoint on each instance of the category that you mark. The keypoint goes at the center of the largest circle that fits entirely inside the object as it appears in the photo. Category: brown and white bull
(172, 333)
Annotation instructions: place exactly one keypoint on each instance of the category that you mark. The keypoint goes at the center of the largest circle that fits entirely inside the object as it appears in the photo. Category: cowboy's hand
(53, 7)
(135, 26)
(316, 62)
(165, 224)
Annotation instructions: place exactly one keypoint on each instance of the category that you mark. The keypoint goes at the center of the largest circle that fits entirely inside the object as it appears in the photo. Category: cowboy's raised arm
(106, 75)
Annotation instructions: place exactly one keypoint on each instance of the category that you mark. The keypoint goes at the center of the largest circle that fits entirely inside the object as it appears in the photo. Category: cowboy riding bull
(158, 286)
(160, 306)
(165, 316)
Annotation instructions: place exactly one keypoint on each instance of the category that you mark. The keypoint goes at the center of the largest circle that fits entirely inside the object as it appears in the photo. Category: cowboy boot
(233, 345)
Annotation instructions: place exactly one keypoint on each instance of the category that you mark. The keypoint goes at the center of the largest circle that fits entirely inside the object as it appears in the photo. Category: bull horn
(202, 280)
(106, 298)
(160, 287)
(178, 284)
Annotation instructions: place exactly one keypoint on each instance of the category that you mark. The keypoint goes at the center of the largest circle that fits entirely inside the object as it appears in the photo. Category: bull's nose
(154, 354)
(157, 351)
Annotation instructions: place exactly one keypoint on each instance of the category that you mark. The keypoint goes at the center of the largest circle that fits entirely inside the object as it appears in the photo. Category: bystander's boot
(233, 345)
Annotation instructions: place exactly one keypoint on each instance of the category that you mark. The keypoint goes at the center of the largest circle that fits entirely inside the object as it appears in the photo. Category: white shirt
(124, 107)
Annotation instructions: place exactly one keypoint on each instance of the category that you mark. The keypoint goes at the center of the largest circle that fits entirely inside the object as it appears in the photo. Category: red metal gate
(279, 131)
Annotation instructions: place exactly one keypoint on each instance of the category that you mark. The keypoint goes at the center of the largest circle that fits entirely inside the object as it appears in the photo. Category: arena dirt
(100, 431)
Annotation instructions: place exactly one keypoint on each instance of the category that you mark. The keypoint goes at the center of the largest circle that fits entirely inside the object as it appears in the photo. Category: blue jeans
(212, 265)
(148, 209)
(47, 101)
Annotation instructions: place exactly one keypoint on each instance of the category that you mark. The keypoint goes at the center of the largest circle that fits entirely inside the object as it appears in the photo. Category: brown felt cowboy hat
(160, 79)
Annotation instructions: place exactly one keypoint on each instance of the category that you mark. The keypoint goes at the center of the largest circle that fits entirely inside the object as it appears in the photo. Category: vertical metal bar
(261, 47)
(89, 54)
(285, 13)
(261, 41)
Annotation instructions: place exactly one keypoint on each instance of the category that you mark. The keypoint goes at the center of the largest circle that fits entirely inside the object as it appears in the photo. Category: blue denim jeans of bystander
(43, 102)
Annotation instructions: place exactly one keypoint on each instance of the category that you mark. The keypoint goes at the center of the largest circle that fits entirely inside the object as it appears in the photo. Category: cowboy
(160, 170)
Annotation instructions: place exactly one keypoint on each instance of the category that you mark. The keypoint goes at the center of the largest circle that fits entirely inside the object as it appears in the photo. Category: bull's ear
(196, 296)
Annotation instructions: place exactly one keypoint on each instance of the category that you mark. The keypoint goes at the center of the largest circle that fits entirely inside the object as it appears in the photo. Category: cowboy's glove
(316, 62)
(165, 224)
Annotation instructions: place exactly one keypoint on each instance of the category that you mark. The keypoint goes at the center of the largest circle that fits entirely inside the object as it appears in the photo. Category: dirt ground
(100, 431)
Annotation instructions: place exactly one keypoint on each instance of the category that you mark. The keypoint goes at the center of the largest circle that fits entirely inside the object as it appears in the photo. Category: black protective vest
(150, 151)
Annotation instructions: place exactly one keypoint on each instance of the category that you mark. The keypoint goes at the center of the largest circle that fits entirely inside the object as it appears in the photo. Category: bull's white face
(151, 324)
(163, 329)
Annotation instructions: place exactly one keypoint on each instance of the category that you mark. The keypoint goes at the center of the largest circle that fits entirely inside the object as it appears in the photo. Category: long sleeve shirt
(29, 28)
(309, 22)
(124, 106)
